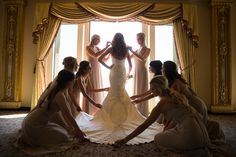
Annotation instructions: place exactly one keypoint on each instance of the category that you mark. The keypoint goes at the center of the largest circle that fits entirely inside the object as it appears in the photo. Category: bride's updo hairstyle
(118, 46)
(83, 68)
(161, 85)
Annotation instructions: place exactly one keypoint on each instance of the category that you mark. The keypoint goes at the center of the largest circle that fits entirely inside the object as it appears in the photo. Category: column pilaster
(12, 53)
(221, 57)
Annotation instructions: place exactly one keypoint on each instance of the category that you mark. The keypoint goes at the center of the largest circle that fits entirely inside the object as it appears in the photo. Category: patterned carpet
(9, 127)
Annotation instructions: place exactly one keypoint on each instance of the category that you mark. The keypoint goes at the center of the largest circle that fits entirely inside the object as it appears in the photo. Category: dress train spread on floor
(118, 117)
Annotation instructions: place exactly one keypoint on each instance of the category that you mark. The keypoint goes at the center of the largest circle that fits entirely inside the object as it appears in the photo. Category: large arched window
(51, 16)
(69, 43)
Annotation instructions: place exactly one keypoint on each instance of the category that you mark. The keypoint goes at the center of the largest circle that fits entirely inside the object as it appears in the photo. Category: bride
(118, 116)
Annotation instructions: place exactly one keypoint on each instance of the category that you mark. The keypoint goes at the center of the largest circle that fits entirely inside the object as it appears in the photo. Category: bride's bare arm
(130, 64)
(100, 59)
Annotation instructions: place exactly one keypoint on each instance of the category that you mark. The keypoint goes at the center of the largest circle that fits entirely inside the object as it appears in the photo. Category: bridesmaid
(38, 135)
(177, 83)
(82, 84)
(93, 52)
(188, 134)
(155, 68)
(140, 71)
(71, 65)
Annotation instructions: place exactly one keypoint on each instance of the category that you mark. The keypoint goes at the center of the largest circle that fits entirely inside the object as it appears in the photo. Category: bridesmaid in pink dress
(140, 71)
(95, 78)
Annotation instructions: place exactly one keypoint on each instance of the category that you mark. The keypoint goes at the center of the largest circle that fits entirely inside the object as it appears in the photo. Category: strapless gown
(118, 117)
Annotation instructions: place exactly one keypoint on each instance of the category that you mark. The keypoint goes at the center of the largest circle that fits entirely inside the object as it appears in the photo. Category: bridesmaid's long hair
(157, 66)
(82, 68)
(171, 73)
(119, 49)
(64, 76)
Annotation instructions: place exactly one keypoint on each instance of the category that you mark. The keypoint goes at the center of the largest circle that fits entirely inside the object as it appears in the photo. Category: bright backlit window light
(107, 30)
(67, 46)
(68, 42)
(13, 116)
(164, 43)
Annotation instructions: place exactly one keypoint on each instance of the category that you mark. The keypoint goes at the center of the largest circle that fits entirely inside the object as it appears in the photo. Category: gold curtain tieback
(188, 66)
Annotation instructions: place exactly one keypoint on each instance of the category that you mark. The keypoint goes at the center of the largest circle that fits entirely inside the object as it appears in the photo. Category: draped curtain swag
(115, 11)
(150, 13)
(161, 14)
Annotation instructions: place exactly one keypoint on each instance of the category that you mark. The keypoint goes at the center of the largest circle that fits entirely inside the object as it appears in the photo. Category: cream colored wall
(203, 56)
(29, 55)
(233, 51)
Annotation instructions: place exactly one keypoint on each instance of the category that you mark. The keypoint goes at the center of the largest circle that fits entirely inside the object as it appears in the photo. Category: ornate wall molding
(221, 56)
(12, 49)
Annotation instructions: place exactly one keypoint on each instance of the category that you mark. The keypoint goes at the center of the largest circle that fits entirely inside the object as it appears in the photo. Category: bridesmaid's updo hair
(119, 48)
(141, 35)
(95, 36)
(160, 82)
(157, 66)
(83, 66)
(69, 62)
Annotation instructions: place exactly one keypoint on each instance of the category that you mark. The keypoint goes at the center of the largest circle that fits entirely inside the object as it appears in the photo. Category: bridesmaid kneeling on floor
(38, 134)
(190, 132)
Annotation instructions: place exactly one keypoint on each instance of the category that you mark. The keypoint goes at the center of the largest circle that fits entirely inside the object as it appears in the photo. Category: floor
(10, 122)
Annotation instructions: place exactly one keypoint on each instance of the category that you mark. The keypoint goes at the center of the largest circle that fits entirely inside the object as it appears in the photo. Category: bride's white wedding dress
(118, 117)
